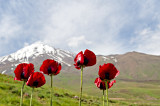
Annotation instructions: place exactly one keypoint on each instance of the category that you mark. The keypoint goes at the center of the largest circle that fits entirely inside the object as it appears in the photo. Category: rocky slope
(132, 65)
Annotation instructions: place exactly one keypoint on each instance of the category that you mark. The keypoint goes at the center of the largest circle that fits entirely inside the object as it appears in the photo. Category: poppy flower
(36, 80)
(100, 84)
(50, 67)
(108, 71)
(23, 71)
(86, 59)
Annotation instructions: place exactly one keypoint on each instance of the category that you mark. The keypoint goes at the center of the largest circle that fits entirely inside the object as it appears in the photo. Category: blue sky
(103, 26)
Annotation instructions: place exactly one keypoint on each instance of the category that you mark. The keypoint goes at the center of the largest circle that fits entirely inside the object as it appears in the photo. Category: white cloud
(104, 26)
(8, 28)
(76, 41)
(98, 21)
(148, 40)
(71, 20)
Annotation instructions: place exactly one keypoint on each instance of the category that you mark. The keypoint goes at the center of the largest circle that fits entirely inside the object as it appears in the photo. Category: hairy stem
(31, 97)
(51, 91)
(21, 101)
(107, 93)
(103, 97)
(81, 86)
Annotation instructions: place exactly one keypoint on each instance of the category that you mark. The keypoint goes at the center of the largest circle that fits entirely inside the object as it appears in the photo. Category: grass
(123, 93)
(10, 95)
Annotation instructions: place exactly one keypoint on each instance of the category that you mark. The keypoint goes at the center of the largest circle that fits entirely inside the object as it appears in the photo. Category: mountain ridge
(35, 53)
(139, 74)
(132, 65)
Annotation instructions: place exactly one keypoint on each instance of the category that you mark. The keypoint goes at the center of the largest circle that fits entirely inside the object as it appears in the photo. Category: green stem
(81, 86)
(31, 97)
(21, 101)
(107, 93)
(51, 92)
(103, 97)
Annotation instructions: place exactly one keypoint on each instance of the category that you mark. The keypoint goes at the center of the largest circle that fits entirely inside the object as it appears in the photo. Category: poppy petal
(28, 70)
(58, 70)
(23, 71)
(108, 71)
(45, 66)
(110, 84)
(117, 73)
(91, 57)
(98, 82)
(37, 79)
(79, 59)
(50, 67)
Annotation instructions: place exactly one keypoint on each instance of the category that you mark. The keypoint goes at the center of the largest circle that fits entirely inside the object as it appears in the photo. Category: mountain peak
(135, 53)
(35, 53)
(34, 50)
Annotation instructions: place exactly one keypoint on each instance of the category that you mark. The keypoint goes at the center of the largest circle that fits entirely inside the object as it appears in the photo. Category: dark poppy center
(85, 61)
(107, 76)
(101, 86)
(35, 83)
(78, 62)
(22, 75)
(49, 70)
(56, 71)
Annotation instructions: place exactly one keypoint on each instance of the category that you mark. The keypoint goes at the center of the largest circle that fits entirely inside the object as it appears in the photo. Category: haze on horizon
(103, 26)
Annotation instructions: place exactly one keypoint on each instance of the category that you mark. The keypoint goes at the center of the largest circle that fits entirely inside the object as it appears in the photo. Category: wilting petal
(117, 73)
(110, 84)
(36, 80)
(77, 67)
(101, 85)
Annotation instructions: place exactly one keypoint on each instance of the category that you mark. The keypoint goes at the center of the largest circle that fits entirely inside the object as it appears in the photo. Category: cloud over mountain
(106, 27)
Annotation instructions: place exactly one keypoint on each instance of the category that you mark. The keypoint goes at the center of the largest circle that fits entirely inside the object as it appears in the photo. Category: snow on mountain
(35, 50)
(4, 71)
(35, 53)
(105, 58)
(110, 58)
(114, 59)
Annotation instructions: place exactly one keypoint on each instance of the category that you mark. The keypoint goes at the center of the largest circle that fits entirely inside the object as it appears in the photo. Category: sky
(103, 26)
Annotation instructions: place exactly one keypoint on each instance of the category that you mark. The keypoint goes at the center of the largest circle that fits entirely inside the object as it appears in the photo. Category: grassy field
(146, 93)
(10, 95)
(123, 93)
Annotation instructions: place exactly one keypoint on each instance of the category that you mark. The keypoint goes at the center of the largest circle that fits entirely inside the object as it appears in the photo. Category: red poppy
(50, 67)
(23, 71)
(110, 84)
(36, 80)
(101, 85)
(86, 59)
(108, 71)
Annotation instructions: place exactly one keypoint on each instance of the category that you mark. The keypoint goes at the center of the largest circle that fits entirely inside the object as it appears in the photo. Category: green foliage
(10, 95)
(121, 94)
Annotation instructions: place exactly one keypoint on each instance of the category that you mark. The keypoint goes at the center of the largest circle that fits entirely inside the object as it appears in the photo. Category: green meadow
(123, 93)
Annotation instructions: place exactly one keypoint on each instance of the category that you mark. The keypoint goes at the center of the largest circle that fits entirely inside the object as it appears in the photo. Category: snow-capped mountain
(132, 65)
(34, 53)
